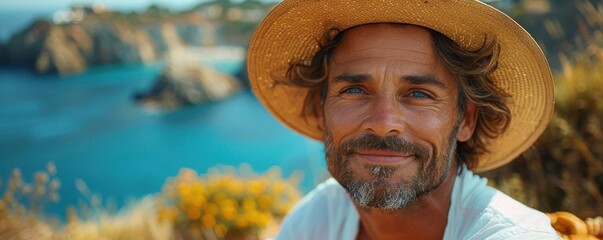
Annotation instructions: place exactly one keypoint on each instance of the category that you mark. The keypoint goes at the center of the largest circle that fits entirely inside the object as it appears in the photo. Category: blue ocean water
(90, 127)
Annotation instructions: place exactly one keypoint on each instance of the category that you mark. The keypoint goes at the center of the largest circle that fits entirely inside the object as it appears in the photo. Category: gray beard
(378, 191)
(366, 193)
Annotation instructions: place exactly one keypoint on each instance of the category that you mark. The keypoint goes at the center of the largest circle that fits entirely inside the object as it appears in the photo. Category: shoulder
(506, 218)
(482, 212)
(324, 213)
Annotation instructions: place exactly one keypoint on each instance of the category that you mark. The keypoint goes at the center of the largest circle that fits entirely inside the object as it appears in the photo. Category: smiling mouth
(384, 156)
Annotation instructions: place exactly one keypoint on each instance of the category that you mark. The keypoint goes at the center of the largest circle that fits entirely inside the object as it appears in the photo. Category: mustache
(389, 143)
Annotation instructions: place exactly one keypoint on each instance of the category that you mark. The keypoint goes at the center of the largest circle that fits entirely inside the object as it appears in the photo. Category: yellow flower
(228, 212)
(263, 219)
(208, 221)
(277, 188)
(197, 188)
(248, 205)
(220, 230)
(220, 197)
(264, 201)
(221, 202)
(184, 190)
(241, 222)
(199, 201)
(235, 187)
(211, 209)
(193, 213)
(256, 187)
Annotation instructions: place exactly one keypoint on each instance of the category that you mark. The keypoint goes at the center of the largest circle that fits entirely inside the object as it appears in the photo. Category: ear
(469, 122)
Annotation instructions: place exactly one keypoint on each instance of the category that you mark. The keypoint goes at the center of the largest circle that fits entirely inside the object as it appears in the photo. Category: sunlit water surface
(90, 127)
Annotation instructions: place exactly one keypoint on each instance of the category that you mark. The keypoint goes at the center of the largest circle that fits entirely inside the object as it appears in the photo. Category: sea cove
(89, 125)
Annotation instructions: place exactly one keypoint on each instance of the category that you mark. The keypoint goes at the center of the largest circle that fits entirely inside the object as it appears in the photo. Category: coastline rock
(90, 38)
(50, 48)
(185, 81)
(25, 47)
(59, 53)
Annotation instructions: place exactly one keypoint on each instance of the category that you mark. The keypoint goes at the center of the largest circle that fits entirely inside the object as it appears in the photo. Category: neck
(426, 218)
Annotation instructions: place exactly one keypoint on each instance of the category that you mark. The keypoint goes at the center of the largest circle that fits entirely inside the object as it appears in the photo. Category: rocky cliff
(67, 48)
(119, 38)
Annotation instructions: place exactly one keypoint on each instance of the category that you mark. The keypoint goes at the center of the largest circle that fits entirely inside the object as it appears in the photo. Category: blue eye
(353, 90)
(418, 94)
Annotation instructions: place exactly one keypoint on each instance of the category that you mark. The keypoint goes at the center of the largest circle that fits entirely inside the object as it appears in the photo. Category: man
(410, 97)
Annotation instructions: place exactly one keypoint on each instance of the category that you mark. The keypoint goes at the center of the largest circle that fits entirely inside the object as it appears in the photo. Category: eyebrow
(351, 78)
(424, 79)
(412, 79)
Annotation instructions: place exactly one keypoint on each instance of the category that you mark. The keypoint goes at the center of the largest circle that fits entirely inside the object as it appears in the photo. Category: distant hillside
(86, 36)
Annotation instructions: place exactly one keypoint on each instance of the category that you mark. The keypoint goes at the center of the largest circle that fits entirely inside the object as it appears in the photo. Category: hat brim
(290, 32)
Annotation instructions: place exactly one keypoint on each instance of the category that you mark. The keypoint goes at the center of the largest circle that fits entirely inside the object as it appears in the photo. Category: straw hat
(290, 31)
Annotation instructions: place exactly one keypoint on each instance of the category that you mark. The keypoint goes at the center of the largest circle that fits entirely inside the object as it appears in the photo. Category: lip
(383, 156)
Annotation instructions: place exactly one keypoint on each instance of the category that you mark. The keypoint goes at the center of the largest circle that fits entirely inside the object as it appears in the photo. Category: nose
(385, 117)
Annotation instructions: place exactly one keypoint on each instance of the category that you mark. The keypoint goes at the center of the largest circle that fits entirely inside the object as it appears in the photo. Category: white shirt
(477, 211)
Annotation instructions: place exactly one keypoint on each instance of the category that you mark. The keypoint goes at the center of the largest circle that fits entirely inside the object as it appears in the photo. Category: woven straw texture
(290, 32)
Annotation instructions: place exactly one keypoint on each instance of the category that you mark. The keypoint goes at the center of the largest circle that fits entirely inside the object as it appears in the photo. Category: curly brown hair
(470, 68)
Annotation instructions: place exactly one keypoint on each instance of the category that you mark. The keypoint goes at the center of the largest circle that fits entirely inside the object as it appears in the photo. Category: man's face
(390, 115)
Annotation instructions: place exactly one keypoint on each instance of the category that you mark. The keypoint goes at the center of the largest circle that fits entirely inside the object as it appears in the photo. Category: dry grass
(136, 221)
(564, 170)
(21, 214)
(22, 203)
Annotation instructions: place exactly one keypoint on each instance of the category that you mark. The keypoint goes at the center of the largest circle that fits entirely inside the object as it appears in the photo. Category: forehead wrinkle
(358, 45)
(391, 49)
(396, 42)
(395, 53)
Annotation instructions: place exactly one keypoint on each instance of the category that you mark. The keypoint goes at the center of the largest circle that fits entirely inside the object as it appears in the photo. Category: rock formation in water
(185, 81)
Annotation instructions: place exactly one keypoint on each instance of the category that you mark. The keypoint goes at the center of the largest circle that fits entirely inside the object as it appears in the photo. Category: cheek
(430, 124)
(343, 119)
(433, 131)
